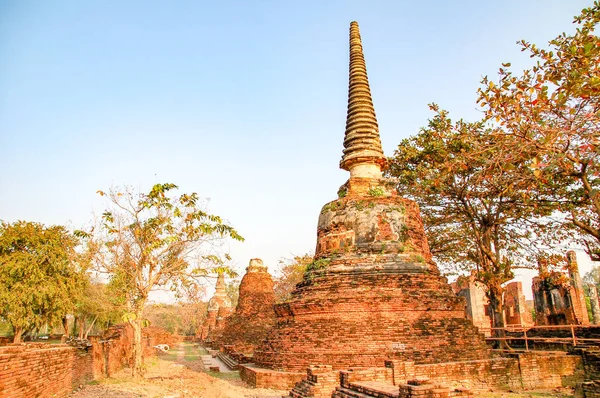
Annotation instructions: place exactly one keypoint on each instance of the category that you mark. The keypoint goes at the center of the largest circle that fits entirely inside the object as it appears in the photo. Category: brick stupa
(373, 292)
(254, 315)
(219, 308)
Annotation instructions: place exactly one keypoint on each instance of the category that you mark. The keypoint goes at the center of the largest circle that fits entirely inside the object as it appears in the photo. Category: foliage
(153, 240)
(376, 191)
(95, 307)
(233, 292)
(478, 211)
(552, 113)
(291, 272)
(40, 274)
(593, 277)
(182, 318)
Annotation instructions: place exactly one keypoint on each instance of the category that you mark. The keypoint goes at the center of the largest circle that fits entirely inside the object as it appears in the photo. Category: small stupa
(219, 308)
(247, 327)
(373, 292)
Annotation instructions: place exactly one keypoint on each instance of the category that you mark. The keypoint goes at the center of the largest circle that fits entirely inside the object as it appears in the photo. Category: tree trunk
(18, 334)
(138, 350)
(494, 294)
(81, 326)
(65, 324)
(89, 329)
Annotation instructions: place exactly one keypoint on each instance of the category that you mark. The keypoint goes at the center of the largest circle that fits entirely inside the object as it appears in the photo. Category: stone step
(228, 361)
(375, 389)
(342, 392)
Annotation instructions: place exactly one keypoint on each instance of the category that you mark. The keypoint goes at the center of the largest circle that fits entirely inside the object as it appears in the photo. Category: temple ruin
(559, 300)
(219, 308)
(373, 292)
(253, 316)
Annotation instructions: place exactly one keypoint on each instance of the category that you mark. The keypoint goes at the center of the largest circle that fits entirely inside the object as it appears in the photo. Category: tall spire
(362, 145)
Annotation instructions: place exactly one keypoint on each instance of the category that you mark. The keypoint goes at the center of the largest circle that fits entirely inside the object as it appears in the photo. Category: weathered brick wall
(266, 378)
(161, 336)
(361, 320)
(114, 351)
(515, 308)
(43, 370)
(591, 361)
(521, 371)
(53, 370)
(477, 308)
(549, 370)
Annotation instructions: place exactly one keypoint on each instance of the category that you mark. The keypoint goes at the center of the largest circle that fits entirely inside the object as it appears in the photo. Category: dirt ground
(181, 373)
(178, 374)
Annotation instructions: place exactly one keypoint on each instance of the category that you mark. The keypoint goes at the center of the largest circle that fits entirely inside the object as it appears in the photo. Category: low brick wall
(523, 371)
(43, 370)
(54, 370)
(267, 378)
(591, 363)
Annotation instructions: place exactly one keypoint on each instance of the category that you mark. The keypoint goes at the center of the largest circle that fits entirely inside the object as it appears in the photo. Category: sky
(243, 102)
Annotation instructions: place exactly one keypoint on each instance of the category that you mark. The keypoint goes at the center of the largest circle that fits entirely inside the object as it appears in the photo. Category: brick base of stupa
(348, 320)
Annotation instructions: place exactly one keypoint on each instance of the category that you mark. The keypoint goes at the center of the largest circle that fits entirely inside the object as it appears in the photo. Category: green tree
(41, 273)
(152, 240)
(552, 111)
(477, 213)
(592, 277)
(291, 272)
(95, 307)
(232, 289)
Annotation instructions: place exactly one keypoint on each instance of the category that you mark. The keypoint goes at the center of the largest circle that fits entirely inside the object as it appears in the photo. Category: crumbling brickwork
(516, 311)
(254, 315)
(219, 308)
(43, 370)
(477, 303)
(53, 370)
(560, 300)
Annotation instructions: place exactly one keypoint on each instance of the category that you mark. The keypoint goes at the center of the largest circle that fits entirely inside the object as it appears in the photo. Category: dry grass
(176, 375)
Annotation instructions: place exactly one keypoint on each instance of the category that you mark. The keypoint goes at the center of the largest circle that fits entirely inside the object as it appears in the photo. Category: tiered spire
(362, 144)
(220, 286)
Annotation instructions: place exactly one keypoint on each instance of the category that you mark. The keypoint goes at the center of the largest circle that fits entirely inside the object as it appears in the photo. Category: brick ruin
(373, 292)
(254, 315)
(54, 370)
(219, 308)
(558, 301)
(516, 310)
(477, 308)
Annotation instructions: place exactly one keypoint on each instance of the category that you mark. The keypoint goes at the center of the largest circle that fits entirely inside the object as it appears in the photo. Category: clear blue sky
(241, 101)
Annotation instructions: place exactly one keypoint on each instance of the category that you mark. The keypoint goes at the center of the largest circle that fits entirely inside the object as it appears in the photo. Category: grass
(225, 375)
(190, 353)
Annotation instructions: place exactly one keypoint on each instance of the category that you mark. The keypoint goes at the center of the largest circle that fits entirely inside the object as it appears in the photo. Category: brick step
(228, 361)
(375, 389)
(342, 392)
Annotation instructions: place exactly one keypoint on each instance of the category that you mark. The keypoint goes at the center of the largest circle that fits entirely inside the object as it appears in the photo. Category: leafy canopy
(478, 211)
(41, 274)
(552, 111)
